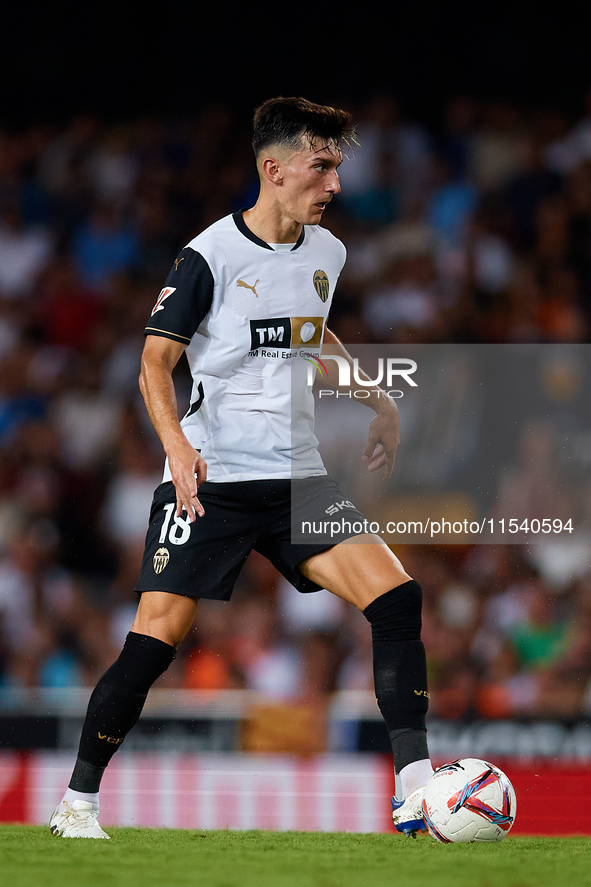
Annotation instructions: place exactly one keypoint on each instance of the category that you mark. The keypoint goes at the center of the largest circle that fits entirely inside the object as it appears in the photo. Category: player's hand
(383, 439)
(188, 470)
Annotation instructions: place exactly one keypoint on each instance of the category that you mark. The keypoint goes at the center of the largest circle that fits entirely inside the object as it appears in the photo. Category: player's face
(310, 181)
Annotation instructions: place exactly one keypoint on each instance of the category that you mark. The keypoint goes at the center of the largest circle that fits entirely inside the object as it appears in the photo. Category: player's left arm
(384, 437)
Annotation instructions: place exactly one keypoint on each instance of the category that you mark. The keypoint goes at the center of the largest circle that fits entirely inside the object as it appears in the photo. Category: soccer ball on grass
(469, 800)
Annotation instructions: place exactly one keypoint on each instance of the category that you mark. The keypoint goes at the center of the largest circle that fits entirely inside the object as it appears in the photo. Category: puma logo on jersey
(177, 262)
(165, 293)
(249, 287)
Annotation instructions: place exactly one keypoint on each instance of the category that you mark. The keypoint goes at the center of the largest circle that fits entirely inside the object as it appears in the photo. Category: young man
(242, 300)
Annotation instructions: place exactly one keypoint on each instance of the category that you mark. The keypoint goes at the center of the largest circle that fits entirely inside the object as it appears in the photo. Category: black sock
(400, 670)
(408, 746)
(116, 704)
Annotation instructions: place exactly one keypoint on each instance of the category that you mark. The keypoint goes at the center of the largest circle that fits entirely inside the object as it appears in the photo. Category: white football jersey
(250, 314)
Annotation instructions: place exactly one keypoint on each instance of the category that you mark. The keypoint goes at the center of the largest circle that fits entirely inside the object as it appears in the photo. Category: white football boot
(407, 815)
(78, 820)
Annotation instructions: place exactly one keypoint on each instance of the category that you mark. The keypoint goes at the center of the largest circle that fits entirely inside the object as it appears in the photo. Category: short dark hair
(286, 121)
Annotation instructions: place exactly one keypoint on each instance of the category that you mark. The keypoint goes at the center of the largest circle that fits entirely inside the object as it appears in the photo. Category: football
(469, 800)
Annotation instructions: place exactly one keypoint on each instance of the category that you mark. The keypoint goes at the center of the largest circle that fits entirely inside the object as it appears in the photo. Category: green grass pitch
(30, 855)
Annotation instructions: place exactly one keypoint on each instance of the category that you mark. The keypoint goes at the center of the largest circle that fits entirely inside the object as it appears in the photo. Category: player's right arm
(181, 306)
(187, 467)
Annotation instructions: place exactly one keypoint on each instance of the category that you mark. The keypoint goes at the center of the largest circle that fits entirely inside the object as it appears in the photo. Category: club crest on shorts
(321, 284)
(161, 558)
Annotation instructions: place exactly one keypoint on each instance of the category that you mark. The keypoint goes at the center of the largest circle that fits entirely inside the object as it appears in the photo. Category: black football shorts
(203, 559)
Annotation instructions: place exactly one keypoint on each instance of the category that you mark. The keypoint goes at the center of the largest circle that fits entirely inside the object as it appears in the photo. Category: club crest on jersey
(321, 284)
(161, 559)
(164, 294)
(286, 332)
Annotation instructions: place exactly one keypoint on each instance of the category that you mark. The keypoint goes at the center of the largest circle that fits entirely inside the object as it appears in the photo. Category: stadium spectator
(103, 245)
(24, 253)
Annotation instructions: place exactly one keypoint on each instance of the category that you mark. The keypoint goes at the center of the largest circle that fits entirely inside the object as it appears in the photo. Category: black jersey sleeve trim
(244, 229)
(185, 299)
(149, 331)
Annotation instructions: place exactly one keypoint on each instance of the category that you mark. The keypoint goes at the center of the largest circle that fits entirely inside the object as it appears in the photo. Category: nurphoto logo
(389, 370)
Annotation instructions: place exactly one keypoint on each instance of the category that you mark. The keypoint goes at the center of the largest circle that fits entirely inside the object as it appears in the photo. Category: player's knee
(396, 615)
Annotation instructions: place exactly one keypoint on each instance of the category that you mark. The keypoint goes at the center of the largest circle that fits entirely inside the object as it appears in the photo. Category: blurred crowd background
(476, 228)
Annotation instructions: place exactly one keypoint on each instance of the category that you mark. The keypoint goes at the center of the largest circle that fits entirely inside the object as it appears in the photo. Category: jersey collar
(244, 229)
